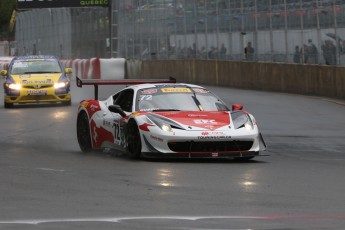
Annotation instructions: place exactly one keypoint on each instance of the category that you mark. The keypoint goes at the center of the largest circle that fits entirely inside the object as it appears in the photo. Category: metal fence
(302, 31)
(64, 32)
(278, 30)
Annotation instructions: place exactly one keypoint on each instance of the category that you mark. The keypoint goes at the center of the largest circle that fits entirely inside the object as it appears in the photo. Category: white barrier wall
(97, 68)
(4, 61)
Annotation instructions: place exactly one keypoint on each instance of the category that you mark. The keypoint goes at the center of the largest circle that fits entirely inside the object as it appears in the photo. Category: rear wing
(97, 82)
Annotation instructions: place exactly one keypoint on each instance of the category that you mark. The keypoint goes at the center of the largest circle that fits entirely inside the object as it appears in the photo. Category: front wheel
(8, 105)
(83, 132)
(133, 140)
(67, 103)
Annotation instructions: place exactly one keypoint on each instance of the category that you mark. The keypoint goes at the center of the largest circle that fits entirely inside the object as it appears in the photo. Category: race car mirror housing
(117, 109)
(68, 70)
(3, 73)
(237, 107)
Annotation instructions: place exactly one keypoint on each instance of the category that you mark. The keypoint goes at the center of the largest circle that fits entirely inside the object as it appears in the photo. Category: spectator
(249, 52)
(222, 52)
(313, 56)
(329, 53)
(305, 53)
(297, 55)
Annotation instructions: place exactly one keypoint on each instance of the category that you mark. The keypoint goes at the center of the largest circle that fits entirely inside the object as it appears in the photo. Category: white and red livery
(162, 118)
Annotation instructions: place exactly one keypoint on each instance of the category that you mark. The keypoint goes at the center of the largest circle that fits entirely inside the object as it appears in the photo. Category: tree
(6, 8)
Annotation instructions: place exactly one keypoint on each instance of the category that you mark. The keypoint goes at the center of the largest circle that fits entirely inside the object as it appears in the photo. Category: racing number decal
(117, 133)
(145, 97)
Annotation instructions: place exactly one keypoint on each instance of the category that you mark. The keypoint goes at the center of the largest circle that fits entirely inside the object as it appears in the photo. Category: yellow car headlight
(14, 86)
(59, 85)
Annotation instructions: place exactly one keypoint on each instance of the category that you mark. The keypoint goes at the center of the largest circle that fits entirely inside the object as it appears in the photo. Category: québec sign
(31, 4)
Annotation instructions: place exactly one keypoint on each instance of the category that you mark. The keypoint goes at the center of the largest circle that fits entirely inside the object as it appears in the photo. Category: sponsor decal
(25, 76)
(48, 81)
(212, 133)
(156, 138)
(197, 115)
(106, 123)
(200, 90)
(37, 92)
(210, 127)
(93, 108)
(214, 154)
(149, 91)
(213, 137)
(149, 109)
(176, 90)
(205, 121)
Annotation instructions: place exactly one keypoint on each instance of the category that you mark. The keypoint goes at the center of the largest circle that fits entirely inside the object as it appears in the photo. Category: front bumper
(200, 155)
(31, 96)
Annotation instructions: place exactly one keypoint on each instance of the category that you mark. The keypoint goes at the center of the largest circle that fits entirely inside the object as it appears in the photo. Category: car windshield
(178, 99)
(35, 66)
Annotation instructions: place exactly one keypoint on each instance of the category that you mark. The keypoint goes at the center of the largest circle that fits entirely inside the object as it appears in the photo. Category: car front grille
(37, 97)
(37, 87)
(208, 146)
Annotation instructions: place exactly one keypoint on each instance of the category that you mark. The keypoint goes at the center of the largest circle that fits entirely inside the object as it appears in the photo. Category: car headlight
(59, 85)
(14, 86)
(241, 120)
(166, 127)
(164, 124)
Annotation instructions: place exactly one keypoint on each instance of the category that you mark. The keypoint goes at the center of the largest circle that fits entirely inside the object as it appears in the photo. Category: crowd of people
(309, 54)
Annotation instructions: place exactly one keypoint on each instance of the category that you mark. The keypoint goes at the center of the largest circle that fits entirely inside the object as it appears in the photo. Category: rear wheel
(83, 132)
(133, 140)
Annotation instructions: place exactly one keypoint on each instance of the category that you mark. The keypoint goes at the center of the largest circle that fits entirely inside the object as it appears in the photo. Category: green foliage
(6, 8)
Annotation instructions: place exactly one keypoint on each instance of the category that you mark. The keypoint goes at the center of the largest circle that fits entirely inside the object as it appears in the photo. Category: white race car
(162, 118)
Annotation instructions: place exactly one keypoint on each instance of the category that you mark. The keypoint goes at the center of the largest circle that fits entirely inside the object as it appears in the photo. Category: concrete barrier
(317, 80)
(97, 68)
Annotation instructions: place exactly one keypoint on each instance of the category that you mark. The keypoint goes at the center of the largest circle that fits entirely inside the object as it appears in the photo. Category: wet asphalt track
(47, 183)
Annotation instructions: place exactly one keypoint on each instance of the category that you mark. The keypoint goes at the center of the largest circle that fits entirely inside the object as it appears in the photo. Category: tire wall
(316, 80)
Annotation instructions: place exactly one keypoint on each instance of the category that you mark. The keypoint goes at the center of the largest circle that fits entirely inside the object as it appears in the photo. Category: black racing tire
(8, 105)
(83, 132)
(133, 140)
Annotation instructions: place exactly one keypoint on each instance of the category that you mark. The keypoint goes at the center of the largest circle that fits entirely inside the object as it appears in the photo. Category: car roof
(33, 57)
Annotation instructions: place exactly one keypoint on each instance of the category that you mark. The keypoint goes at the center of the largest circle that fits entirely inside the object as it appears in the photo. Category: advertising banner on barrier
(30, 4)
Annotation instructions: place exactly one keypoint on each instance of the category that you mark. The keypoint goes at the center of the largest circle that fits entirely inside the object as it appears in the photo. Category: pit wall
(316, 80)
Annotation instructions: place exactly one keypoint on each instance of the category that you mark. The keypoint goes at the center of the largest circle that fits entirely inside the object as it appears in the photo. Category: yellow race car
(34, 79)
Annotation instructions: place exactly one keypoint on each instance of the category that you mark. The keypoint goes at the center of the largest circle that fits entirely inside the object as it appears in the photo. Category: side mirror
(68, 70)
(237, 107)
(117, 109)
(3, 73)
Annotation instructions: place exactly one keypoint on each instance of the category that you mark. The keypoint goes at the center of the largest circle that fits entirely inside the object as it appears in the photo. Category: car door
(115, 120)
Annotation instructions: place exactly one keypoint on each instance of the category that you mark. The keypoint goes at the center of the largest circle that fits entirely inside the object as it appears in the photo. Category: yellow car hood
(36, 79)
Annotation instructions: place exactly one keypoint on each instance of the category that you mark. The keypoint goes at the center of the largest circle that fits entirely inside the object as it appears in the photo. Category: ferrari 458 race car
(162, 118)
(33, 79)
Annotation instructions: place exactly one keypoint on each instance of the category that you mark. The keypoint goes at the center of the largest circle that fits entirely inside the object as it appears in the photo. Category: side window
(125, 100)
